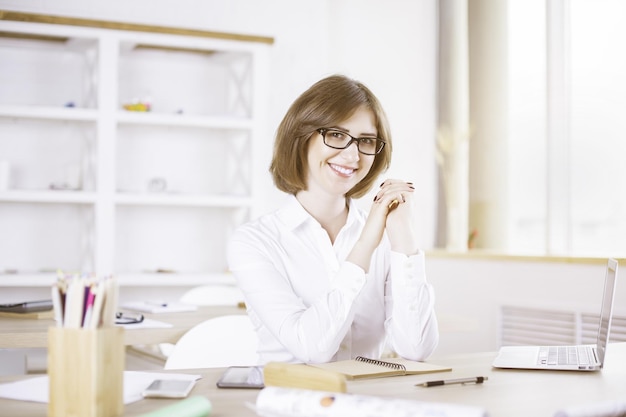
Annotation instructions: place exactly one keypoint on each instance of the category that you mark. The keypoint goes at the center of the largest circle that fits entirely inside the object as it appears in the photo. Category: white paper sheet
(146, 324)
(158, 307)
(36, 389)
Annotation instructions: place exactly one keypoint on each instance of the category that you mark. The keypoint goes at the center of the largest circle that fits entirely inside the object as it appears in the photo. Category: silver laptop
(567, 358)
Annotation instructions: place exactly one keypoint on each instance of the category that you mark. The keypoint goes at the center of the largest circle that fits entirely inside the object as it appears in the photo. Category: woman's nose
(351, 153)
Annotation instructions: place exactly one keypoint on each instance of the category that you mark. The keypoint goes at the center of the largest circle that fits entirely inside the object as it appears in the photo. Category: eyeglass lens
(341, 140)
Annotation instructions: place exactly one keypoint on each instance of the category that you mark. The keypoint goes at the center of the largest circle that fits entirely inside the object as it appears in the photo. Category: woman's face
(337, 171)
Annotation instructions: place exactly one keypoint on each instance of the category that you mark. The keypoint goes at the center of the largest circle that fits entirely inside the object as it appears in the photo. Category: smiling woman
(331, 101)
(323, 280)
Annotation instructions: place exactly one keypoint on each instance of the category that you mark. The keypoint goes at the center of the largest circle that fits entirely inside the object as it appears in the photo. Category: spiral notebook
(362, 367)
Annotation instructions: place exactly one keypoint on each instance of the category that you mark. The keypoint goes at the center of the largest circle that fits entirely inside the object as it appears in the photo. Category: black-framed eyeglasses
(338, 139)
(126, 318)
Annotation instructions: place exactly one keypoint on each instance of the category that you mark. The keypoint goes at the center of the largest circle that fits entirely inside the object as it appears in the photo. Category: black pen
(475, 380)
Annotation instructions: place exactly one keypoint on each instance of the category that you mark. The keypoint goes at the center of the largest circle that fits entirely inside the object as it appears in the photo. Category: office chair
(215, 343)
(206, 295)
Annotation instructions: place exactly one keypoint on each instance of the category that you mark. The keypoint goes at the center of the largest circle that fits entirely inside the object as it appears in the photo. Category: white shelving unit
(149, 196)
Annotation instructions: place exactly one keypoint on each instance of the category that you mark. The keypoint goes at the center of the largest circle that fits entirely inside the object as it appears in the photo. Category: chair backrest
(211, 295)
(215, 343)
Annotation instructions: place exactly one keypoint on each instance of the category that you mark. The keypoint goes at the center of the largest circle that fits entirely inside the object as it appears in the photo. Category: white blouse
(309, 305)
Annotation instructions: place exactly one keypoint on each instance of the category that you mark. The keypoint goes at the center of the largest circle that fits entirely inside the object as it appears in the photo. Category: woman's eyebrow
(343, 129)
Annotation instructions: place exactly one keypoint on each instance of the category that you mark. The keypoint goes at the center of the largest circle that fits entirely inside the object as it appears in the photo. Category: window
(568, 127)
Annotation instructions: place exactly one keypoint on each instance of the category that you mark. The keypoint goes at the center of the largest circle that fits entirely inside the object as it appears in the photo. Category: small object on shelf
(157, 185)
(138, 105)
(70, 104)
(61, 186)
(73, 179)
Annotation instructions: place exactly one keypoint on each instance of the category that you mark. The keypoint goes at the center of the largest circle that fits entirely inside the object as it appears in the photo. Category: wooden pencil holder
(86, 372)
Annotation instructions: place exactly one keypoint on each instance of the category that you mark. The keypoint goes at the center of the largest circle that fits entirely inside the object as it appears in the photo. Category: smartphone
(169, 388)
(242, 377)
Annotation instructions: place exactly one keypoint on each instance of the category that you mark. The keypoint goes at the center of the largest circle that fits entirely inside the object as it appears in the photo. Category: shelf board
(182, 120)
(182, 200)
(47, 196)
(34, 37)
(133, 27)
(48, 113)
(125, 279)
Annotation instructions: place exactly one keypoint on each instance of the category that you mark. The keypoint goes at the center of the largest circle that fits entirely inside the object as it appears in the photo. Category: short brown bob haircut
(326, 103)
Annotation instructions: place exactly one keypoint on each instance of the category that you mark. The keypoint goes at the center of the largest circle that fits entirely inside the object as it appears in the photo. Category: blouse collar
(293, 214)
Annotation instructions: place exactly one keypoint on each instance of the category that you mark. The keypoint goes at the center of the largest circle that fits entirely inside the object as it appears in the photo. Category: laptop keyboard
(566, 355)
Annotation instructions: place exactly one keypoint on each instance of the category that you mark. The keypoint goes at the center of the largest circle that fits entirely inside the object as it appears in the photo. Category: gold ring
(393, 204)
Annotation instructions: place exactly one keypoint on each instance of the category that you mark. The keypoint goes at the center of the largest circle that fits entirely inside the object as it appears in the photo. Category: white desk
(19, 333)
(507, 393)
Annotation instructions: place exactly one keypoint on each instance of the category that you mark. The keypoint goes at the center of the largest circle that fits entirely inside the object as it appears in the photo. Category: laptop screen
(606, 312)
